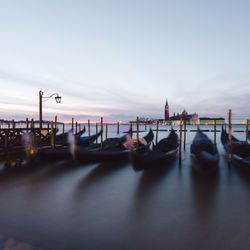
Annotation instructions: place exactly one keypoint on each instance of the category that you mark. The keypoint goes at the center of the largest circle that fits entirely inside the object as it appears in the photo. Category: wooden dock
(13, 147)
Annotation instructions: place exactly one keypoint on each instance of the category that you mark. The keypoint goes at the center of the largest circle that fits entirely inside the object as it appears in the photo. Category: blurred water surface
(67, 205)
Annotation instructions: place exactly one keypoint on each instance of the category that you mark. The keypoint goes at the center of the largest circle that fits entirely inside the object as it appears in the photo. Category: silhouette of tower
(166, 111)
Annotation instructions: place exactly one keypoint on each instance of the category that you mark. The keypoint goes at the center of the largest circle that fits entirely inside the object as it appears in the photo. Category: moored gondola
(62, 139)
(86, 140)
(240, 150)
(161, 154)
(53, 155)
(204, 153)
(68, 153)
(115, 152)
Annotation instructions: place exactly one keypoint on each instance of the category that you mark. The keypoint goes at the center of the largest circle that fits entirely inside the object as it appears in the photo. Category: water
(109, 206)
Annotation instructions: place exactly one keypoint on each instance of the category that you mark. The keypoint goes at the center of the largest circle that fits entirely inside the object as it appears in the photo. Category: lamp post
(41, 97)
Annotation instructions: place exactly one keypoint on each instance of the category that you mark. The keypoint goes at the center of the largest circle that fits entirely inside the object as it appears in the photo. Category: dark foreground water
(109, 206)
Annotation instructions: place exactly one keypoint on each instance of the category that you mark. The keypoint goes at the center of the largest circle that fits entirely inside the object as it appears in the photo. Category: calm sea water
(110, 206)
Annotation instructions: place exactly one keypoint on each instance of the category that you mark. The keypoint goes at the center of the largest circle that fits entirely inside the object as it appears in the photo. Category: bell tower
(166, 111)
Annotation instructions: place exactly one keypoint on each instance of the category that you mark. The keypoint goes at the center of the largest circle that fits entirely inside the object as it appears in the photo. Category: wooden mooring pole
(27, 123)
(118, 128)
(131, 129)
(156, 136)
(180, 140)
(230, 136)
(101, 131)
(96, 131)
(72, 130)
(137, 132)
(76, 128)
(106, 136)
(32, 123)
(63, 128)
(13, 126)
(247, 127)
(185, 130)
(55, 123)
(214, 131)
(52, 136)
(89, 130)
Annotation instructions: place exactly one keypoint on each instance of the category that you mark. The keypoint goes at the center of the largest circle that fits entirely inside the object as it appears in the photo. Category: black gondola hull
(151, 159)
(240, 151)
(205, 156)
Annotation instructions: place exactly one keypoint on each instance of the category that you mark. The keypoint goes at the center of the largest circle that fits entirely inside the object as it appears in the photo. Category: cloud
(121, 101)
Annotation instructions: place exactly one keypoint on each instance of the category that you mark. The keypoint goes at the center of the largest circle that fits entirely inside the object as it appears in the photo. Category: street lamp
(41, 97)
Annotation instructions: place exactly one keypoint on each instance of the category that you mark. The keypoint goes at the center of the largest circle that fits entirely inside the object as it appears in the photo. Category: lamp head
(58, 99)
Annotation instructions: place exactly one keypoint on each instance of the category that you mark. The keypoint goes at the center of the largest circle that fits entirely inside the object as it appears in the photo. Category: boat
(65, 153)
(162, 153)
(52, 155)
(62, 139)
(204, 154)
(240, 150)
(115, 152)
(86, 140)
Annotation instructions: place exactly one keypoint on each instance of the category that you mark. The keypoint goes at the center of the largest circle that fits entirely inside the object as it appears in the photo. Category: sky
(121, 59)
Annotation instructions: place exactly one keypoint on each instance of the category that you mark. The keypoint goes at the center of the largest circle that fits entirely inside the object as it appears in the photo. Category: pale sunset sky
(122, 59)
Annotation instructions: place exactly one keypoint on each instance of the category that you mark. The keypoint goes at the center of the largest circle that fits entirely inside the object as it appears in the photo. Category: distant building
(192, 118)
(208, 120)
(166, 111)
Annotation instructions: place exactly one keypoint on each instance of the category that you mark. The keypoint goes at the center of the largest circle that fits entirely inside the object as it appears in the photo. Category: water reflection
(205, 190)
(53, 172)
(148, 183)
(242, 173)
(79, 206)
(101, 171)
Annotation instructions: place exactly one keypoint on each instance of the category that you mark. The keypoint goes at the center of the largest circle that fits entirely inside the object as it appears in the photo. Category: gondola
(162, 154)
(116, 152)
(62, 139)
(86, 140)
(240, 150)
(65, 153)
(204, 153)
